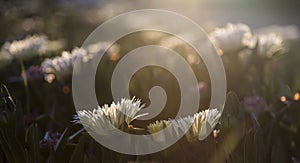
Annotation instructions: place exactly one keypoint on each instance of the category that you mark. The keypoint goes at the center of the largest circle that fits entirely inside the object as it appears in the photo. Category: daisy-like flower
(157, 126)
(269, 44)
(103, 121)
(27, 48)
(232, 38)
(61, 67)
(204, 122)
(196, 127)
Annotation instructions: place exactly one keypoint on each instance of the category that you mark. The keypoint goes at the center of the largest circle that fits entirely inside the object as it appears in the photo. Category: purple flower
(255, 104)
(49, 140)
(34, 73)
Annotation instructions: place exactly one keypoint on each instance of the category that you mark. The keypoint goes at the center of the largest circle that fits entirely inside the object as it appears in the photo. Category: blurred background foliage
(261, 118)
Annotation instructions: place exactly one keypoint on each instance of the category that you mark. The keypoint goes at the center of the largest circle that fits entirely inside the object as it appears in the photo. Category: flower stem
(25, 82)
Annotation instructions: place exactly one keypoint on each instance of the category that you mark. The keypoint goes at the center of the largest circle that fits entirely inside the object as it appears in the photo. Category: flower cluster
(30, 47)
(24, 49)
(105, 120)
(232, 38)
(269, 44)
(61, 67)
(289, 32)
(235, 38)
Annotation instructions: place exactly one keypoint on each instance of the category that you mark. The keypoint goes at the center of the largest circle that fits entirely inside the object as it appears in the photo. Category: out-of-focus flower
(283, 99)
(27, 48)
(216, 133)
(297, 96)
(52, 47)
(31, 46)
(295, 160)
(269, 44)
(97, 48)
(202, 87)
(114, 52)
(197, 126)
(49, 140)
(34, 73)
(255, 104)
(193, 59)
(32, 24)
(152, 35)
(181, 47)
(61, 67)
(171, 42)
(232, 38)
(105, 120)
(289, 32)
(106, 11)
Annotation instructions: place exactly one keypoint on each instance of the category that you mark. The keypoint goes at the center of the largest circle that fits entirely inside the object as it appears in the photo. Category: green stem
(25, 81)
(273, 125)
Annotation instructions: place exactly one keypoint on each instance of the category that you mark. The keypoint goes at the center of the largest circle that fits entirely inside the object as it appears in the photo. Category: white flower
(232, 38)
(157, 126)
(52, 47)
(104, 120)
(27, 48)
(204, 122)
(61, 67)
(195, 127)
(289, 32)
(172, 42)
(181, 125)
(269, 44)
(112, 51)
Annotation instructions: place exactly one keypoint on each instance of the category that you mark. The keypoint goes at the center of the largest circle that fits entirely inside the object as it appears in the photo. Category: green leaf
(232, 112)
(20, 123)
(78, 154)
(60, 145)
(6, 147)
(16, 147)
(10, 144)
(32, 141)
